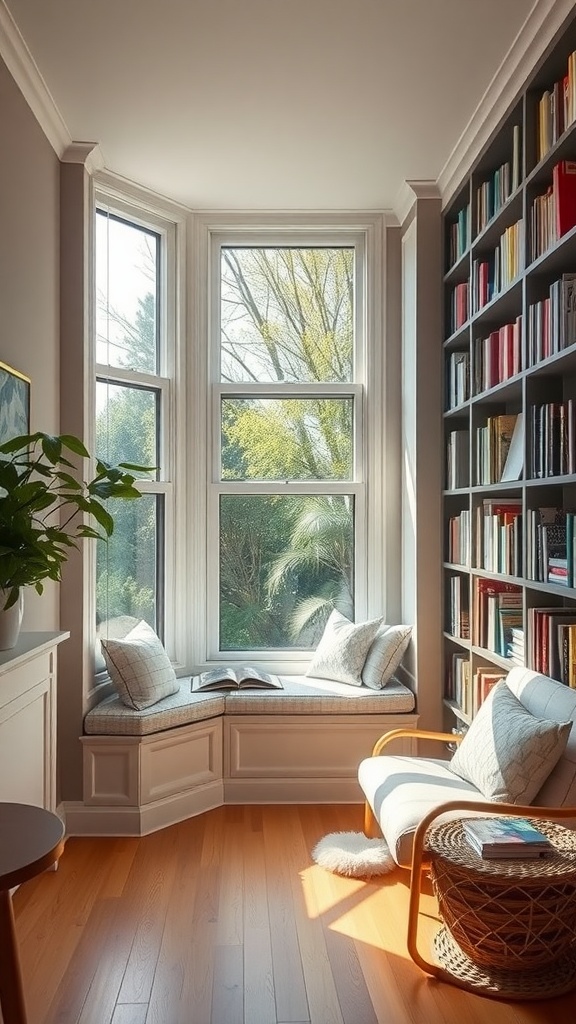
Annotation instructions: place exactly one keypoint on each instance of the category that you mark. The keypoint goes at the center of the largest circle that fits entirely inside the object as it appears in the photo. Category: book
(505, 837)
(564, 181)
(514, 463)
(244, 678)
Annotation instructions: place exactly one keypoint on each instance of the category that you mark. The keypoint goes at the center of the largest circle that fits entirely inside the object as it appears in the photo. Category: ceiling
(270, 104)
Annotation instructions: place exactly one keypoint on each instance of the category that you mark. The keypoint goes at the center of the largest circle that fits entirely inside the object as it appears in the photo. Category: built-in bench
(194, 751)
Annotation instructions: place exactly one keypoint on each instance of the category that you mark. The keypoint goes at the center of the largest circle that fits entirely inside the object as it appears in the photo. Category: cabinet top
(30, 643)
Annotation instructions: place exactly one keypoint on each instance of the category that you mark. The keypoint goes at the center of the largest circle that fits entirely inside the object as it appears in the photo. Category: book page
(251, 676)
(216, 675)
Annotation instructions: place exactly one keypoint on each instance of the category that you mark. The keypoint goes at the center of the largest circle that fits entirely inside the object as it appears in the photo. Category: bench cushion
(299, 696)
(112, 718)
(309, 696)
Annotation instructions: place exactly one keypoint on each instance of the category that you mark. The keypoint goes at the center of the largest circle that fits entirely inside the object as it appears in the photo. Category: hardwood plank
(228, 986)
(70, 997)
(130, 1013)
(323, 987)
(170, 996)
(230, 923)
(289, 983)
(120, 857)
(64, 908)
(198, 982)
(153, 880)
(259, 991)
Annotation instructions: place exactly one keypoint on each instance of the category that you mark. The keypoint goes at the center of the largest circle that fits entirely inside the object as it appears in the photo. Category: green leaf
(74, 444)
(138, 469)
(52, 448)
(17, 443)
(69, 481)
(102, 516)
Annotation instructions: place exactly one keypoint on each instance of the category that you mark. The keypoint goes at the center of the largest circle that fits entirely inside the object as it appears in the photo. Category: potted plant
(43, 506)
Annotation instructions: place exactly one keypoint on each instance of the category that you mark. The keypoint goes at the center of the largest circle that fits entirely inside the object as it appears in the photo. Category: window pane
(127, 275)
(285, 563)
(287, 314)
(127, 566)
(127, 424)
(287, 439)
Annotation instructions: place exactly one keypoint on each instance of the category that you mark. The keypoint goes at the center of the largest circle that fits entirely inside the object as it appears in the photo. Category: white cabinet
(28, 720)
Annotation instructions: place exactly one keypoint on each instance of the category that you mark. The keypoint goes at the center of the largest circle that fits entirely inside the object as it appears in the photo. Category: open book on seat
(226, 678)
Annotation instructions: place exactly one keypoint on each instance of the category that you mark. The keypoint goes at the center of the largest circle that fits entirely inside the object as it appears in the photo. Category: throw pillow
(507, 753)
(385, 654)
(139, 667)
(342, 650)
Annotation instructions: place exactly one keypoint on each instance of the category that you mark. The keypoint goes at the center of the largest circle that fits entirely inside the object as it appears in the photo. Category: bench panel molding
(303, 746)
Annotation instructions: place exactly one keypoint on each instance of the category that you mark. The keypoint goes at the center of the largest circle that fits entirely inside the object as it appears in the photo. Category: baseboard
(83, 820)
(292, 791)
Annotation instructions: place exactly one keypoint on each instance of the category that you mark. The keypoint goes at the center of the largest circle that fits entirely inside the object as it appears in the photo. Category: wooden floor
(224, 919)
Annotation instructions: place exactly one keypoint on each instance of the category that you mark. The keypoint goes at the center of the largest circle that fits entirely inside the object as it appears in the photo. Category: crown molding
(25, 73)
(410, 192)
(87, 153)
(542, 23)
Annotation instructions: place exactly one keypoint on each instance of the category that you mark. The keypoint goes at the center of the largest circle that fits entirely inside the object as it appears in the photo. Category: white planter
(10, 620)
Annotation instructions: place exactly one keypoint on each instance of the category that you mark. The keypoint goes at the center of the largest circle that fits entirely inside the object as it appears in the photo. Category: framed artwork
(14, 403)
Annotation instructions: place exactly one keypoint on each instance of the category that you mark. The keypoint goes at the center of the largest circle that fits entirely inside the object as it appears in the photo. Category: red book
(564, 182)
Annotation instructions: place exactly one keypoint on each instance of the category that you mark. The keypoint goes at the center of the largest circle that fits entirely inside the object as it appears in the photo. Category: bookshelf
(509, 412)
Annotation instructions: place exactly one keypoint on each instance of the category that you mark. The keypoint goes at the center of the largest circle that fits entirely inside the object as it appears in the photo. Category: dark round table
(31, 840)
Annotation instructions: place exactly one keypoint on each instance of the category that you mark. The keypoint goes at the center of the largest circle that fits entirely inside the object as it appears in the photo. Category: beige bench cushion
(310, 696)
(112, 718)
(299, 696)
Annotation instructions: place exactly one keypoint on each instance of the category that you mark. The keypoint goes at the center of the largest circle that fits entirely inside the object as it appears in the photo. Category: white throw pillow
(507, 753)
(342, 650)
(385, 654)
(139, 667)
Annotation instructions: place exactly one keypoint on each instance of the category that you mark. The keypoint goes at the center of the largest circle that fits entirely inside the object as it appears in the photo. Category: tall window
(287, 472)
(131, 413)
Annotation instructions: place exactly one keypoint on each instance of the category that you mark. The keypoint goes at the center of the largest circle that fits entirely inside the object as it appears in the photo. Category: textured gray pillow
(139, 667)
(507, 753)
(342, 650)
(385, 654)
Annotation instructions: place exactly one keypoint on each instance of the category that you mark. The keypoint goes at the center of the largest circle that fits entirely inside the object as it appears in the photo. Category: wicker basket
(507, 915)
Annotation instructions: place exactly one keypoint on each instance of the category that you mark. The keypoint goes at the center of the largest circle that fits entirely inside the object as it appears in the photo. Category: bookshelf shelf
(493, 283)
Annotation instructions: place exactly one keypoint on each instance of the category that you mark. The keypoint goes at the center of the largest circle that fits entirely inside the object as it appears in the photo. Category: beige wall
(29, 279)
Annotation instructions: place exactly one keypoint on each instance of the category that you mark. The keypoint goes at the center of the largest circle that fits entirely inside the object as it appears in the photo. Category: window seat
(300, 695)
(143, 770)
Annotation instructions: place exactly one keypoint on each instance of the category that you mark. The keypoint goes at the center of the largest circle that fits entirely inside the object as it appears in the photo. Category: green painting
(14, 403)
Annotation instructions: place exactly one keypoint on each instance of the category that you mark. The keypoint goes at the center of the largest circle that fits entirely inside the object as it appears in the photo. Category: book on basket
(226, 678)
(505, 837)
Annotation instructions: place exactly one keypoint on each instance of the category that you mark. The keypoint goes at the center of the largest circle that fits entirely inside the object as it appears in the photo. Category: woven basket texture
(509, 915)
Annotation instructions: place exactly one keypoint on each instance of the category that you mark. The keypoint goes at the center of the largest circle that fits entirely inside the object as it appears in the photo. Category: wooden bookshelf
(510, 360)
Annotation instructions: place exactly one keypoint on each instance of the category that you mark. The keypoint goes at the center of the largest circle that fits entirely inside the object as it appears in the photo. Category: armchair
(405, 795)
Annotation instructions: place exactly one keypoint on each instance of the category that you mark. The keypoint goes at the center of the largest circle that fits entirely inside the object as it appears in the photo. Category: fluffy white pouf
(352, 854)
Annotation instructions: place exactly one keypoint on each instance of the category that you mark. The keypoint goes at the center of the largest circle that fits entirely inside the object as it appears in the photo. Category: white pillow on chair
(507, 753)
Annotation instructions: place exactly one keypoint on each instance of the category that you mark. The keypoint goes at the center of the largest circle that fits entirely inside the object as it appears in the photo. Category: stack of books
(505, 838)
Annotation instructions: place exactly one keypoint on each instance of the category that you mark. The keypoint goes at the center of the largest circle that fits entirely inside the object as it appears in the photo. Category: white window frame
(366, 234)
(137, 207)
